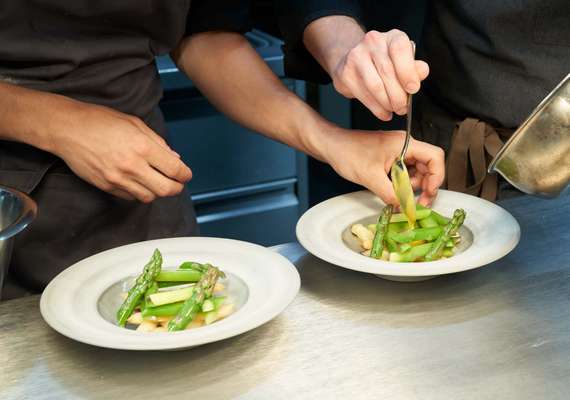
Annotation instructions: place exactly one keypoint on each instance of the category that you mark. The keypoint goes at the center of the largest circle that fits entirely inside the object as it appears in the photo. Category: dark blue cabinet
(245, 186)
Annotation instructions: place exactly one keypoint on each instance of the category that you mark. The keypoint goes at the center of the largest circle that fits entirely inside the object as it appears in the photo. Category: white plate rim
(174, 340)
(344, 257)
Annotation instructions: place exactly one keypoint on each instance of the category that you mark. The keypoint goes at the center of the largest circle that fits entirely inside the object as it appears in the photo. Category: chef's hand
(117, 153)
(377, 68)
(366, 158)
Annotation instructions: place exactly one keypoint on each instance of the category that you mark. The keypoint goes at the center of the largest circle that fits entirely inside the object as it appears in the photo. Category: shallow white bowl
(489, 233)
(77, 303)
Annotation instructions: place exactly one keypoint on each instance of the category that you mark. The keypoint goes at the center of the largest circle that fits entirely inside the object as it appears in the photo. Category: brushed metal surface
(500, 332)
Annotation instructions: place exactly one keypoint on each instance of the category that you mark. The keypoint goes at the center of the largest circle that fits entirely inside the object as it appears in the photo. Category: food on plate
(431, 238)
(175, 299)
(403, 190)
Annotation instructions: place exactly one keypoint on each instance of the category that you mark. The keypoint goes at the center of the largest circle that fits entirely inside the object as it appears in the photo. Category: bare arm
(113, 151)
(236, 80)
(25, 115)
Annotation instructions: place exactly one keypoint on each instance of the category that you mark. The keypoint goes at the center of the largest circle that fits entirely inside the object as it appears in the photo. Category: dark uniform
(103, 53)
(491, 63)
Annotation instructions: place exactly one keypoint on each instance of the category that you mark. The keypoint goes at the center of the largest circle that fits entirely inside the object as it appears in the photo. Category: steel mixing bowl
(536, 159)
(17, 211)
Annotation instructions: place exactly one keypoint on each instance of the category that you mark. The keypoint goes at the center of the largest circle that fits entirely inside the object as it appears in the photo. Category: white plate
(81, 301)
(489, 233)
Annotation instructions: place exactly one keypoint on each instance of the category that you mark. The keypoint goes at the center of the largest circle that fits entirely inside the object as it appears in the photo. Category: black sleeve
(293, 17)
(219, 15)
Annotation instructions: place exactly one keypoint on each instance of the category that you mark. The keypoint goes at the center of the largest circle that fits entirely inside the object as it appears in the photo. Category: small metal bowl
(536, 159)
(17, 211)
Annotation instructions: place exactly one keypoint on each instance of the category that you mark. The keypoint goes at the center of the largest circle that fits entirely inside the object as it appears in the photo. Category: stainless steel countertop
(501, 332)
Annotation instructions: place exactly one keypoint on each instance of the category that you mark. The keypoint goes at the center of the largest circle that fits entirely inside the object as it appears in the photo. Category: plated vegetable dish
(167, 300)
(393, 238)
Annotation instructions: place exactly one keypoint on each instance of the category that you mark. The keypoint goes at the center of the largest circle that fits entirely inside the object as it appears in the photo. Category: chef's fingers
(370, 102)
(421, 167)
(137, 191)
(152, 135)
(382, 187)
(431, 157)
(401, 52)
(122, 194)
(367, 87)
(425, 199)
(416, 178)
(422, 68)
(168, 164)
(387, 73)
(157, 183)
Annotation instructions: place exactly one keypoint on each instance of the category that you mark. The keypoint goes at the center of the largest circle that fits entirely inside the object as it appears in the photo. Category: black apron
(99, 52)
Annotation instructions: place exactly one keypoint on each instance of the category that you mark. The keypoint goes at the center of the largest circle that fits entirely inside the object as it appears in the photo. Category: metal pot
(17, 210)
(536, 159)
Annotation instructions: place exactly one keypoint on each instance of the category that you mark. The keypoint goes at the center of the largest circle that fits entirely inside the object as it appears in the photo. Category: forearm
(330, 38)
(27, 115)
(237, 81)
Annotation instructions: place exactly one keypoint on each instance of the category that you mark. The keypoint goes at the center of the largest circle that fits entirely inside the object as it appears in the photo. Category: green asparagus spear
(450, 229)
(167, 285)
(186, 275)
(193, 305)
(381, 228)
(420, 214)
(413, 254)
(142, 283)
(392, 226)
(208, 305)
(194, 266)
(391, 244)
(429, 234)
(153, 288)
(429, 222)
(440, 219)
(172, 309)
(170, 296)
(404, 247)
(447, 252)
(162, 311)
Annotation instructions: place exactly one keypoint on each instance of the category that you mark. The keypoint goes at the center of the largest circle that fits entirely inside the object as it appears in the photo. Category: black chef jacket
(100, 52)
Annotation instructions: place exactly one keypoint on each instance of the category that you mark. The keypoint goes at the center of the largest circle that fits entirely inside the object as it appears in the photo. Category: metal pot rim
(27, 215)
(541, 106)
